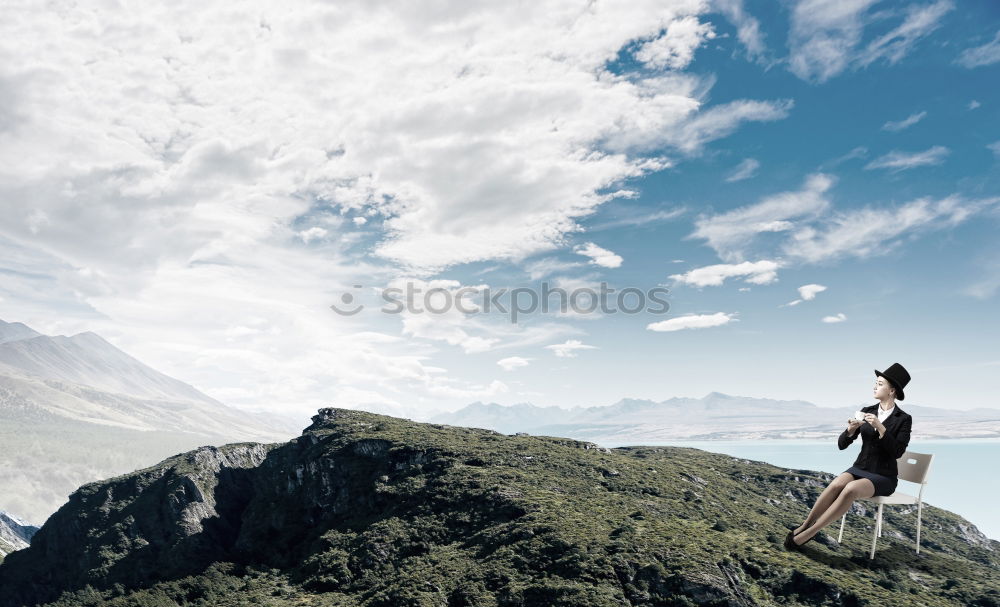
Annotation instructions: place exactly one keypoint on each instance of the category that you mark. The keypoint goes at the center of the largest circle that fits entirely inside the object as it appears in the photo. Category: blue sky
(200, 193)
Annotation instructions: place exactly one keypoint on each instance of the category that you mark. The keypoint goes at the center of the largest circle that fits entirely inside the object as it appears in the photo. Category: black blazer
(879, 455)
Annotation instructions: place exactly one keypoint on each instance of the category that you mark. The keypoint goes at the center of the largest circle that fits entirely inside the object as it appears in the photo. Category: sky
(811, 187)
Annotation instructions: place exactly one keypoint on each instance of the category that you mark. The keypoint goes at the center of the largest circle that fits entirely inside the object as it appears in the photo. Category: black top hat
(897, 376)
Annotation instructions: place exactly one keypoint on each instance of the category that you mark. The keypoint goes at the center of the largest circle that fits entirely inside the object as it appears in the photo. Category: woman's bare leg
(825, 500)
(854, 490)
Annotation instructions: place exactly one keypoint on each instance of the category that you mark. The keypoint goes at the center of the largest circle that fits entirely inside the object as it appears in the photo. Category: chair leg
(840, 536)
(919, 507)
(875, 532)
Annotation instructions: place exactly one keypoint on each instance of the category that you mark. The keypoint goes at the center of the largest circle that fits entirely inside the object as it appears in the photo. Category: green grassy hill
(364, 509)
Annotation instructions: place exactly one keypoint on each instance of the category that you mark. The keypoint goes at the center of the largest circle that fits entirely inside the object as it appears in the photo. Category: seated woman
(885, 434)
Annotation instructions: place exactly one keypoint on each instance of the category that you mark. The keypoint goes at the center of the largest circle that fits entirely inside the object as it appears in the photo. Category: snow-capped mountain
(15, 534)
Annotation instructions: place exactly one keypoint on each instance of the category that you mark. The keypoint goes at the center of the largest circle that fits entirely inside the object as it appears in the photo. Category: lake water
(960, 478)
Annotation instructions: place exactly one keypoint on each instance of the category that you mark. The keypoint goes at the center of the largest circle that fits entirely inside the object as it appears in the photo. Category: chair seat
(895, 498)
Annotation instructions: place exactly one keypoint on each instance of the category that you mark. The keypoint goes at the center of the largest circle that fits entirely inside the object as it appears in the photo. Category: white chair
(912, 467)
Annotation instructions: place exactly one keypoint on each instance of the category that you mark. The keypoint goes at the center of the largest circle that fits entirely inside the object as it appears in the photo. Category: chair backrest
(914, 466)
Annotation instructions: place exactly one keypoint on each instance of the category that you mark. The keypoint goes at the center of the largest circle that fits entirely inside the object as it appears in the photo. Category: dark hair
(894, 387)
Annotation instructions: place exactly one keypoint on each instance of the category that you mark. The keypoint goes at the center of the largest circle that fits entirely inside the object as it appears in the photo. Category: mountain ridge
(374, 511)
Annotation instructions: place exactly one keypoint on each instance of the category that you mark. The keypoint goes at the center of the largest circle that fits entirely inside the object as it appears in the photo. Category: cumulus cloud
(197, 188)
(905, 123)
(692, 321)
(759, 273)
(599, 256)
(839, 317)
(902, 161)
(569, 348)
(806, 293)
(298, 113)
(675, 48)
(731, 232)
(513, 362)
(744, 170)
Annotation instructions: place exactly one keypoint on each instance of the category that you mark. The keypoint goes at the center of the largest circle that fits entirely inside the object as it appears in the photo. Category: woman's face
(883, 389)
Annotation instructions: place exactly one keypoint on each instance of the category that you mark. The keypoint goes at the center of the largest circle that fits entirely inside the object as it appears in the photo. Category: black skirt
(884, 485)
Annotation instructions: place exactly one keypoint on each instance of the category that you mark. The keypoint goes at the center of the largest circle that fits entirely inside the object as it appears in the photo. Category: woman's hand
(852, 426)
(872, 419)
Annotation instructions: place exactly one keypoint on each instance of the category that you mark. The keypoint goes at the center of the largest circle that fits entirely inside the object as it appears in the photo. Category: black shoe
(791, 545)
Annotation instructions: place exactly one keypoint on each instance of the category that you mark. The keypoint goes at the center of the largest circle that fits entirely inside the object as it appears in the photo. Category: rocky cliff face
(171, 518)
(364, 509)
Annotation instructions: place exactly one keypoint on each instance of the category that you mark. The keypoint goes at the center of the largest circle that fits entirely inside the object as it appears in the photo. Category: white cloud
(541, 268)
(628, 217)
(166, 173)
(692, 321)
(313, 233)
(748, 29)
(902, 161)
(825, 36)
(731, 232)
(977, 56)
(904, 123)
(721, 120)
(513, 362)
(569, 348)
(675, 48)
(995, 148)
(296, 111)
(598, 256)
(920, 21)
(974, 104)
(759, 273)
(807, 293)
(798, 227)
(840, 317)
(744, 170)
(870, 231)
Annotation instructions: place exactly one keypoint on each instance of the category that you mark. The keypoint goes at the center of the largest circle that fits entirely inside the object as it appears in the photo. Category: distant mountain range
(715, 416)
(75, 409)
